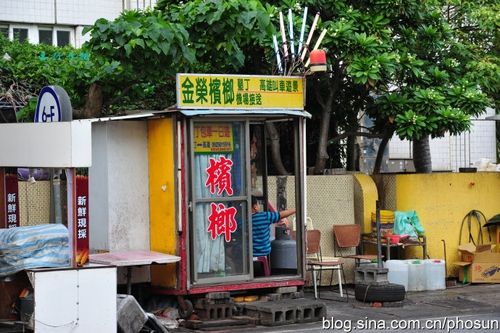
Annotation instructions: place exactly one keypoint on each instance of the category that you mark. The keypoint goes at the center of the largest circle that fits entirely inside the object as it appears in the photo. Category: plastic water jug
(435, 274)
(398, 272)
(416, 275)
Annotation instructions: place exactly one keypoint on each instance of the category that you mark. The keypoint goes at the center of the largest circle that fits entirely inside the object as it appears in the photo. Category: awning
(243, 112)
(274, 113)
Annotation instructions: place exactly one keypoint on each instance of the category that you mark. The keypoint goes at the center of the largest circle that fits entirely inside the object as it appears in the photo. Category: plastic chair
(264, 261)
(315, 262)
(348, 236)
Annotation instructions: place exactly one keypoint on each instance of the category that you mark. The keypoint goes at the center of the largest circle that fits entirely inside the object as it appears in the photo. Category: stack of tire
(381, 292)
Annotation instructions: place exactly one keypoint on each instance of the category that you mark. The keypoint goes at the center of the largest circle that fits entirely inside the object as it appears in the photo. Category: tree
(418, 68)
(405, 63)
(197, 36)
(25, 68)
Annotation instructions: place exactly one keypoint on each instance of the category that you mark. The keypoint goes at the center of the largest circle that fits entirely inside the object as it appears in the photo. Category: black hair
(255, 200)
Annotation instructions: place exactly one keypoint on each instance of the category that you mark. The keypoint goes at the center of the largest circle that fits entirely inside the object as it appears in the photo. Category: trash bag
(407, 223)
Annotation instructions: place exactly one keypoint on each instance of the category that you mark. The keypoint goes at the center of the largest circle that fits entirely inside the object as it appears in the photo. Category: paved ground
(454, 310)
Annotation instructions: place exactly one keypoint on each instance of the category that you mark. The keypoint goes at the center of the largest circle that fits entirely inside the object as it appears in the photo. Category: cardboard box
(479, 264)
(469, 250)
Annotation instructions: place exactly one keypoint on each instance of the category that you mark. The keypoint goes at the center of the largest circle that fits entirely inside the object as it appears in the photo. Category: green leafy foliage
(35, 66)
(424, 66)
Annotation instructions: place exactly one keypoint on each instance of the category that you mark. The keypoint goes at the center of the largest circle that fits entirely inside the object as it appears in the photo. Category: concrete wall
(330, 200)
(119, 210)
(441, 201)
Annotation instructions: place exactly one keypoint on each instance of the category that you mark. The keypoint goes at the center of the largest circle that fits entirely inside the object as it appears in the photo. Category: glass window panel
(257, 159)
(220, 227)
(45, 37)
(219, 162)
(62, 38)
(220, 230)
(20, 34)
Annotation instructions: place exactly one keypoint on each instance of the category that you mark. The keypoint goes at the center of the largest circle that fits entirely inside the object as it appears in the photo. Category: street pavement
(470, 308)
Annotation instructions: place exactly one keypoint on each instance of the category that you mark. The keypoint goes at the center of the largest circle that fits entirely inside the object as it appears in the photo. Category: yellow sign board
(207, 91)
(213, 138)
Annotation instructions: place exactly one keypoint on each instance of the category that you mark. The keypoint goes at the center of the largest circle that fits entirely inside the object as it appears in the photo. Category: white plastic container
(435, 274)
(416, 275)
(398, 272)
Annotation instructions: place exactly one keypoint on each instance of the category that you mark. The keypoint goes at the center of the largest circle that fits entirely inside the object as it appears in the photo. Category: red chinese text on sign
(221, 221)
(219, 175)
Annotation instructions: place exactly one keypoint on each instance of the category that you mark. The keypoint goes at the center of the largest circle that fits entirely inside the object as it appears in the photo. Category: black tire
(379, 293)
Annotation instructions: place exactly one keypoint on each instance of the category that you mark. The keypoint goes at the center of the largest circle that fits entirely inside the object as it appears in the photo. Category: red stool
(265, 265)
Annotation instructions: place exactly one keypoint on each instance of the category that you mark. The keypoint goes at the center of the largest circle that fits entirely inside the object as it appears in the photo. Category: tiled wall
(27, 11)
(75, 12)
(452, 152)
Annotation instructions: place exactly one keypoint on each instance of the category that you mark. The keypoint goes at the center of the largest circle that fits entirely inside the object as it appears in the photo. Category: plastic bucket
(435, 274)
(416, 275)
(398, 272)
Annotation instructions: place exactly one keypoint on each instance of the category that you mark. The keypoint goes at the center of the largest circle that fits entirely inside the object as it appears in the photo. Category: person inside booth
(261, 223)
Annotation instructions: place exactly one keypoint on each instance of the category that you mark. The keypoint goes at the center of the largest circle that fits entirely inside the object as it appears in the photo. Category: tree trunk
(322, 154)
(93, 102)
(351, 154)
(422, 155)
(388, 132)
(326, 104)
(275, 149)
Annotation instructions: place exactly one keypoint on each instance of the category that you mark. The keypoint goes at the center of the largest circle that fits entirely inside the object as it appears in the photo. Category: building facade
(59, 22)
(451, 152)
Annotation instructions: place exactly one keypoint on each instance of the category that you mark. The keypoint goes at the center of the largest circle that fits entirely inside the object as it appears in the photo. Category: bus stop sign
(53, 105)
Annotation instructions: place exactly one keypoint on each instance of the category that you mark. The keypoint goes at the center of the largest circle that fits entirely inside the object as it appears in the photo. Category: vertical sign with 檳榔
(82, 219)
(221, 220)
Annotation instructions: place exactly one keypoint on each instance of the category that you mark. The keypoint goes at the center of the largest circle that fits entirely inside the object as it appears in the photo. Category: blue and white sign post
(53, 105)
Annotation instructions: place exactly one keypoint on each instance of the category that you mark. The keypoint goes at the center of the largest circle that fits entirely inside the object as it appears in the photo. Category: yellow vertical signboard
(207, 91)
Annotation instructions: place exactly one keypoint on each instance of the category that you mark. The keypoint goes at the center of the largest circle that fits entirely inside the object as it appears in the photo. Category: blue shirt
(260, 232)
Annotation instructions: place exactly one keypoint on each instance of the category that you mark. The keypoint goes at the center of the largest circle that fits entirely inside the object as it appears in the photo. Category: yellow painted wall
(365, 198)
(162, 198)
(441, 201)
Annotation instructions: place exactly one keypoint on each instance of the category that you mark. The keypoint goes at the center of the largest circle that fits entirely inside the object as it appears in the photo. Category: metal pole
(379, 243)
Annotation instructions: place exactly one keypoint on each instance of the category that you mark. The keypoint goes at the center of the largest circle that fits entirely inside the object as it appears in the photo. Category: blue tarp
(45, 245)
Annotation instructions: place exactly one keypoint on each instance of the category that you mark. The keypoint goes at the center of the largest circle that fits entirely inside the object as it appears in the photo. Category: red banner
(82, 220)
(11, 201)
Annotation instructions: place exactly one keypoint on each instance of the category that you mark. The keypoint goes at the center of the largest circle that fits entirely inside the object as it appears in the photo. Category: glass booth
(224, 151)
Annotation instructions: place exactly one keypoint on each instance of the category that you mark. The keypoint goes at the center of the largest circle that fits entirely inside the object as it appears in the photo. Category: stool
(265, 264)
